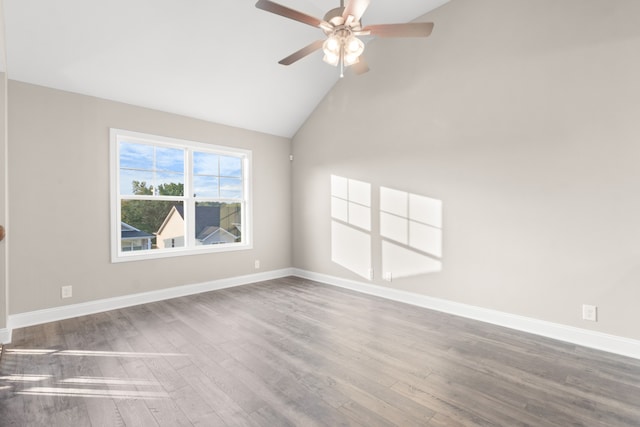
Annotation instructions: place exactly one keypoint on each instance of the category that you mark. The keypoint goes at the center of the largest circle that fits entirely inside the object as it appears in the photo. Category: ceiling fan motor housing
(334, 16)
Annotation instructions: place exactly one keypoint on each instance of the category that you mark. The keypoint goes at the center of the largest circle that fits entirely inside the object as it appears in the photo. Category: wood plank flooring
(291, 352)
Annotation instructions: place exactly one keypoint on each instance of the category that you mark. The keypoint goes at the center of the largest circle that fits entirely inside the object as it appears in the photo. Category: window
(172, 197)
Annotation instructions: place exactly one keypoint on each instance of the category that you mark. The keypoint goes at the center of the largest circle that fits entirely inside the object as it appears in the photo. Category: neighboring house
(213, 235)
(132, 239)
(214, 225)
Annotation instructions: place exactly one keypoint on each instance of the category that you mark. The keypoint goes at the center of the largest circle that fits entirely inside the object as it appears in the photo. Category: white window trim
(117, 255)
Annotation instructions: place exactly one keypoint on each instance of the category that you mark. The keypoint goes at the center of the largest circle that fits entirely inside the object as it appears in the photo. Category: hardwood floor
(291, 352)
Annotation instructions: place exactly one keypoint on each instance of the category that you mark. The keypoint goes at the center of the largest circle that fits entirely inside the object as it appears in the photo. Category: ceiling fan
(342, 26)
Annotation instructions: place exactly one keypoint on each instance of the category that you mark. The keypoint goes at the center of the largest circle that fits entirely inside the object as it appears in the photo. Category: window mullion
(245, 216)
(190, 206)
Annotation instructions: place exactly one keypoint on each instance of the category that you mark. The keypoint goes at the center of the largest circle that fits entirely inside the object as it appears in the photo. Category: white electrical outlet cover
(66, 292)
(590, 312)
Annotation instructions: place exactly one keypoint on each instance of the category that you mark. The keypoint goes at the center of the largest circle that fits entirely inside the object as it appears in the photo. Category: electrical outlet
(256, 264)
(590, 312)
(387, 276)
(66, 292)
(371, 274)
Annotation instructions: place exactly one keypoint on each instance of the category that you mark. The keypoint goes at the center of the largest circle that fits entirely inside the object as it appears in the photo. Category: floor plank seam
(294, 352)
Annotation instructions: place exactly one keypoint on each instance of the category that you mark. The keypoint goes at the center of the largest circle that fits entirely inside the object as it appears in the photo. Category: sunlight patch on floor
(108, 381)
(38, 352)
(89, 392)
(24, 378)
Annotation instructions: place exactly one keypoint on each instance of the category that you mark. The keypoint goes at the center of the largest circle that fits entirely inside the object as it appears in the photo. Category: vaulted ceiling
(209, 59)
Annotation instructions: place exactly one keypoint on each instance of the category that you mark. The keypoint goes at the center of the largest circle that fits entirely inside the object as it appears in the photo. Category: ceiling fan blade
(412, 29)
(361, 66)
(278, 9)
(307, 50)
(356, 9)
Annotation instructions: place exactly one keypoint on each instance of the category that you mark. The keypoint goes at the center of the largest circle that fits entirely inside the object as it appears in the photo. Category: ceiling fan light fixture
(350, 59)
(341, 47)
(331, 46)
(353, 46)
(331, 58)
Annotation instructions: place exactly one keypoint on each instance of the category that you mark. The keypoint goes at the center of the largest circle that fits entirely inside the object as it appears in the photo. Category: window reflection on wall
(411, 228)
(351, 225)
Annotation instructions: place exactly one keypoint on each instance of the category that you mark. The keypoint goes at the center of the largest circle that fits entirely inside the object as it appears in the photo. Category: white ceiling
(209, 59)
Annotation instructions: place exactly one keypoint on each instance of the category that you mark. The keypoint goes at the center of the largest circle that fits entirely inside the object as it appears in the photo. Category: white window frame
(189, 202)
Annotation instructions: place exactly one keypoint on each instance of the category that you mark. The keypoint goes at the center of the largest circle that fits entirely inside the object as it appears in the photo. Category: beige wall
(59, 192)
(3, 204)
(523, 118)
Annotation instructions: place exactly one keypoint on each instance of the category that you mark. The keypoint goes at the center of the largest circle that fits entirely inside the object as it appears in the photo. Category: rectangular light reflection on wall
(351, 224)
(339, 209)
(394, 215)
(425, 224)
(351, 201)
(401, 261)
(411, 226)
(351, 248)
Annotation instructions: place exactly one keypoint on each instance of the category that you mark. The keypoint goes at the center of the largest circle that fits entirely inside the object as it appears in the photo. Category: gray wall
(522, 118)
(3, 191)
(59, 200)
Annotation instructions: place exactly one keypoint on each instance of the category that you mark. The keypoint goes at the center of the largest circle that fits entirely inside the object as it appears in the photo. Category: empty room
(320, 213)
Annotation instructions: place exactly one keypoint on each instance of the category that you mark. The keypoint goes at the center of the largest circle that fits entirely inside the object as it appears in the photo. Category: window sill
(171, 253)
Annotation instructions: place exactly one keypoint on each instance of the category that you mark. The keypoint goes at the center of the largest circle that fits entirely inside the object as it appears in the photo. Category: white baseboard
(5, 335)
(598, 340)
(68, 311)
(583, 337)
